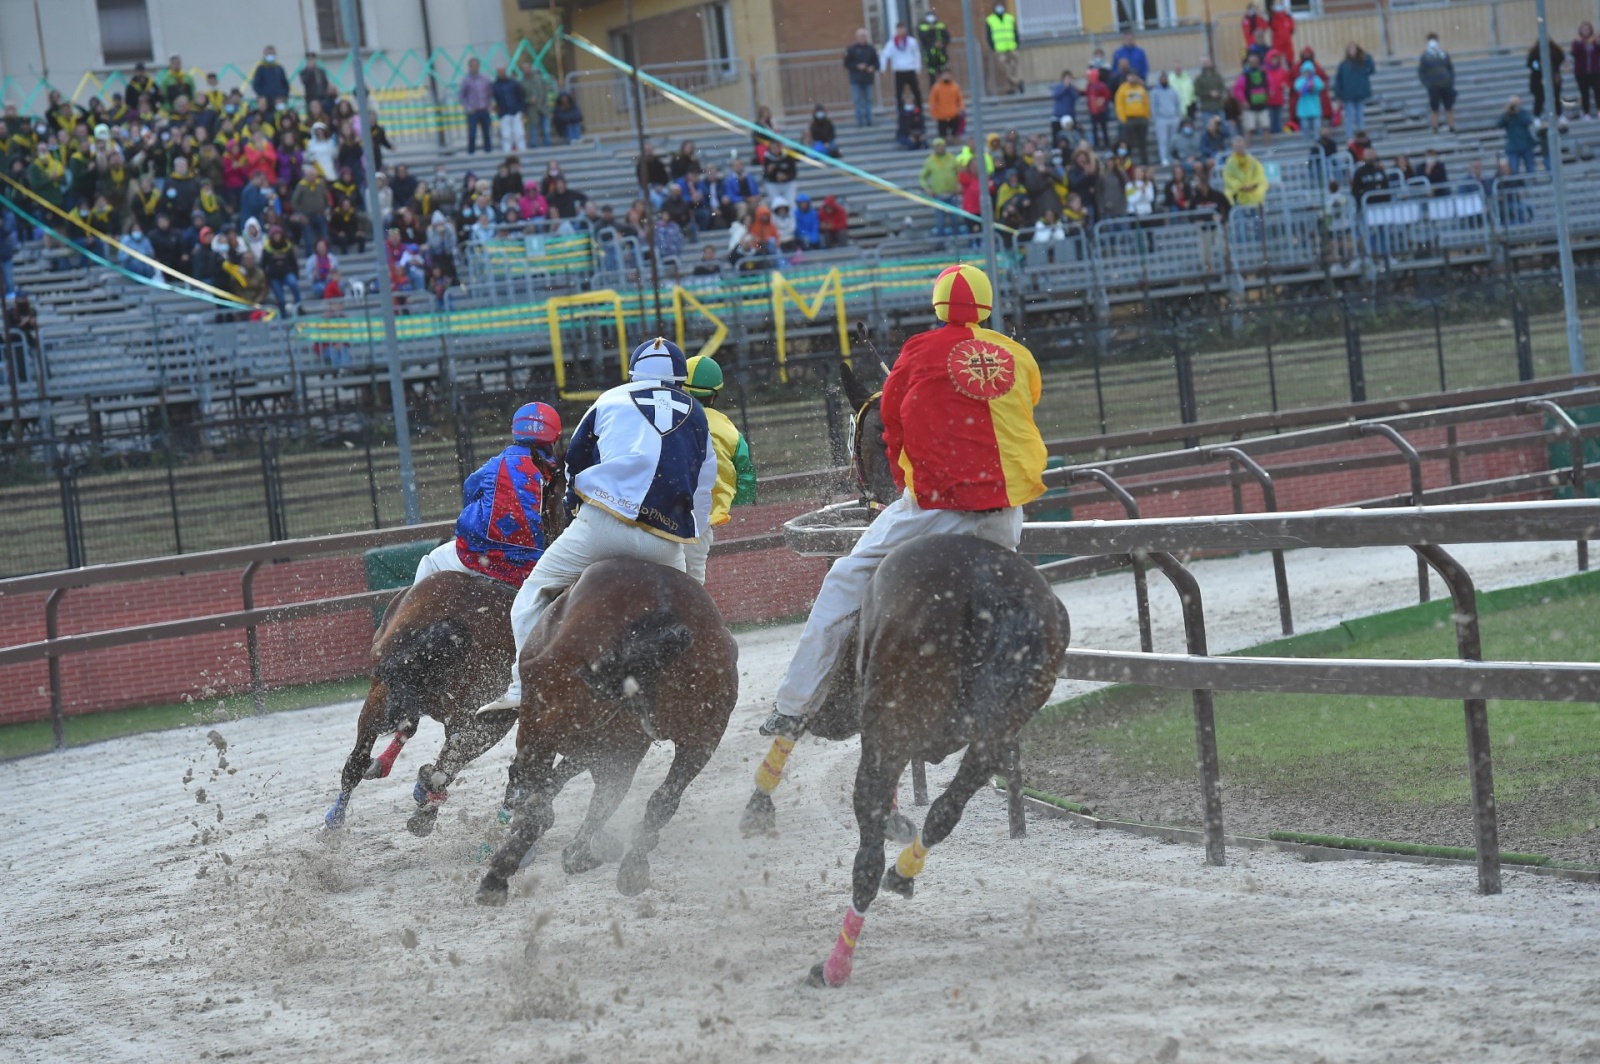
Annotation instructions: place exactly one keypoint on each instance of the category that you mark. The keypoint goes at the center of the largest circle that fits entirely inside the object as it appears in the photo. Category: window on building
(330, 24)
(124, 31)
(1143, 14)
(1047, 17)
(720, 49)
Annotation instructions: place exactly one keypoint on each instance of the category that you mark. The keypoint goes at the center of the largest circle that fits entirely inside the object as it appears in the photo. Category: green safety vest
(1003, 29)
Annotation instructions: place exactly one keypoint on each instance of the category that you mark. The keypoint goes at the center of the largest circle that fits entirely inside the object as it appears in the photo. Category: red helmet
(536, 423)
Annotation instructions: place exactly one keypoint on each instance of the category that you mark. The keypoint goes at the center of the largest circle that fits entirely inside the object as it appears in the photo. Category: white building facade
(63, 40)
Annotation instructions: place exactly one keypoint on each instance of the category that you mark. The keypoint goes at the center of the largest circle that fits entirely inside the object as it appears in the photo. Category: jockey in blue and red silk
(500, 533)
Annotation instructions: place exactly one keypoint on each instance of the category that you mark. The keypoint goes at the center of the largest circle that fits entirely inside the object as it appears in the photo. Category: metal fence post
(1352, 353)
(71, 517)
(257, 693)
(1269, 499)
(1414, 465)
(52, 629)
(272, 487)
(1523, 332)
(1470, 646)
(1130, 505)
(1205, 725)
(1580, 488)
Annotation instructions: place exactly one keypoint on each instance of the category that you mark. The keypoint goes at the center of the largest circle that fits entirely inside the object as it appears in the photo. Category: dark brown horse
(444, 648)
(958, 645)
(632, 653)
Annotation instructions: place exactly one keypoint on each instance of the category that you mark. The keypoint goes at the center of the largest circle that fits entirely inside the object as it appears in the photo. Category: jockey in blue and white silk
(641, 468)
(500, 533)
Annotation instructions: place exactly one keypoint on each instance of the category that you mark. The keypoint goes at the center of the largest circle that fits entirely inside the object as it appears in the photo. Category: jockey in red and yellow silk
(958, 427)
(958, 420)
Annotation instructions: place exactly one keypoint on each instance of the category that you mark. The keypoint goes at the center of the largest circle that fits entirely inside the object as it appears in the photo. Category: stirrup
(783, 726)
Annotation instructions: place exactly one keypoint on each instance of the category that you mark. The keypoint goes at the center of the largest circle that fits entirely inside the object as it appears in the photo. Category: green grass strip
(1047, 799)
(1412, 849)
(36, 737)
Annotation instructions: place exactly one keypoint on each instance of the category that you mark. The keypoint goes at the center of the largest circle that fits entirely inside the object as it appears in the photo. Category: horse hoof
(421, 822)
(816, 978)
(334, 820)
(760, 817)
(633, 877)
(492, 891)
(606, 847)
(578, 858)
(900, 830)
(895, 882)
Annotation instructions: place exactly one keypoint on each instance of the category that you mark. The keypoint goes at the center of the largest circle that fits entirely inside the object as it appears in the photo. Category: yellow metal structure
(679, 298)
(553, 307)
(783, 291)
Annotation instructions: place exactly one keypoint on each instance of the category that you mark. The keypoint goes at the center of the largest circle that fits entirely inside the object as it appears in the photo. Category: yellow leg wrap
(911, 858)
(770, 774)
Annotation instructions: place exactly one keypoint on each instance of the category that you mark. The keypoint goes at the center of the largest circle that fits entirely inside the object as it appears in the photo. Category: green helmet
(704, 379)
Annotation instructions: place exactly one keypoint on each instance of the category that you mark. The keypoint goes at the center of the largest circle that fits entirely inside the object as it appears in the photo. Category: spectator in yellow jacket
(1133, 114)
(1244, 180)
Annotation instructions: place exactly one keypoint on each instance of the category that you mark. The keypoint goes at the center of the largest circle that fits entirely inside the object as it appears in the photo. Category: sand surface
(157, 906)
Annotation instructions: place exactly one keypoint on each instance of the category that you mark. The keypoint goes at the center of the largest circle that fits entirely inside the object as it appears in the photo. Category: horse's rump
(963, 627)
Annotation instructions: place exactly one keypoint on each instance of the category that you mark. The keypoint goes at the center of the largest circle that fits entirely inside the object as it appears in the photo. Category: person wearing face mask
(269, 80)
(821, 134)
(934, 36)
(136, 241)
(1001, 27)
(903, 55)
(1438, 75)
(1186, 143)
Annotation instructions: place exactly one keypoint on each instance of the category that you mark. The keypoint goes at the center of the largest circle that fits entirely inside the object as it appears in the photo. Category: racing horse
(633, 653)
(443, 648)
(957, 644)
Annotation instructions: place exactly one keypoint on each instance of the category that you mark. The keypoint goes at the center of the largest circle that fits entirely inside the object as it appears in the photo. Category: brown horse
(444, 647)
(958, 645)
(632, 653)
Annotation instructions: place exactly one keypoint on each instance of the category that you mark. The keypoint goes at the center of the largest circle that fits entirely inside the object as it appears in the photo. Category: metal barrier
(56, 646)
(1470, 678)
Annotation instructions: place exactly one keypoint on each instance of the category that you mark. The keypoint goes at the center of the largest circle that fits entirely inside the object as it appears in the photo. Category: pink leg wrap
(390, 754)
(836, 969)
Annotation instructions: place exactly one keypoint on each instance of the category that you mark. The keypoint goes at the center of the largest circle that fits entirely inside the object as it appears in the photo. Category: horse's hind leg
(368, 724)
(633, 875)
(943, 815)
(874, 777)
(464, 743)
(612, 778)
(537, 771)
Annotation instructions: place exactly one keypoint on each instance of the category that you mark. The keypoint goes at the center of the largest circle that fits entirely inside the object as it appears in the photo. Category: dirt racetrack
(164, 900)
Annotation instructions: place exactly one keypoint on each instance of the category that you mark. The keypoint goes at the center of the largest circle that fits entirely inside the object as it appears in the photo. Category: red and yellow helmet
(962, 295)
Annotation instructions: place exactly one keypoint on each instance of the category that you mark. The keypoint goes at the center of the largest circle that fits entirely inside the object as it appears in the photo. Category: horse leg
(464, 743)
(899, 828)
(633, 875)
(383, 764)
(612, 778)
(760, 816)
(518, 786)
(943, 816)
(531, 819)
(368, 724)
(874, 777)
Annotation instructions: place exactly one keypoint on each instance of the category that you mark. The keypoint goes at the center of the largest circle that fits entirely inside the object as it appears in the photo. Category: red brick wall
(763, 585)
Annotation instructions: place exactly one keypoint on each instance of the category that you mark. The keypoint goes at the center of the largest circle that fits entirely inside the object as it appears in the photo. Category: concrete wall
(210, 35)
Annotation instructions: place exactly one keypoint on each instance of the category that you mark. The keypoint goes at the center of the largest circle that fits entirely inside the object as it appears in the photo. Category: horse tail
(1008, 645)
(638, 655)
(411, 657)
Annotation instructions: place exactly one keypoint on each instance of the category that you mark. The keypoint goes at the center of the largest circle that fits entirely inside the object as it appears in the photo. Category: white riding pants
(846, 585)
(695, 555)
(441, 559)
(593, 536)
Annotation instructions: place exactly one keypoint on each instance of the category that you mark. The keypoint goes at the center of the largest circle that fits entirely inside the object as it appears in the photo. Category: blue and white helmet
(658, 360)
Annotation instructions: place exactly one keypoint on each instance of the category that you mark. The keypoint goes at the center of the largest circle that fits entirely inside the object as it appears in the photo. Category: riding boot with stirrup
(504, 706)
(783, 726)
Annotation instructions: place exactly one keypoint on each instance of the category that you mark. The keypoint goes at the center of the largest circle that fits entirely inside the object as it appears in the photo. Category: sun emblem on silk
(982, 370)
